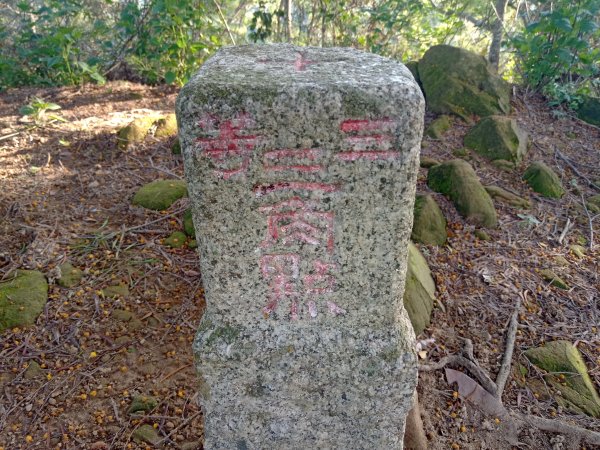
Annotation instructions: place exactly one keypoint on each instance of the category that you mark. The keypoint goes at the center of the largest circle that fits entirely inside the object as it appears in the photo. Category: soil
(66, 192)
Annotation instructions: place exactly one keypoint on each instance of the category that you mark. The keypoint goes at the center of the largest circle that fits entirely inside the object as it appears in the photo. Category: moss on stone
(427, 162)
(193, 244)
(482, 235)
(188, 224)
(23, 295)
(176, 147)
(135, 132)
(161, 194)
(589, 111)
(166, 126)
(419, 291)
(459, 82)
(117, 290)
(143, 403)
(438, 127)
(429, 225)
(543, 180)
(553, 279)
(175, 240)
(69, 275)
(147, 434)
(122, 315)
(568, 374)
(504, 165)
(497, 137)
(593, 203)
(496, 192)
(413, 66)
(457, 180)
(578, 250)
(33, 371)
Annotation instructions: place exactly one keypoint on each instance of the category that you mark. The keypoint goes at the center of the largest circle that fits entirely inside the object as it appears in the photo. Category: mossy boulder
(413, 66)
(161, 194)
(498, 193)
(23, 295)
(438, 127)
(419, 291)
(568, 374)
(135, 132)
(69, 275)
(116, 291)
(142, 403)
(429, 225)
(188, 224)
(426, 162)
(549, 276)
(543, 180)
(589, 111)
(497, 137)
(457, 180)
(34, 370)
(456, 81)
(504, 165)
(593, 203)
(146, 434)
(166, 126)
(482, 235)
(175, 240)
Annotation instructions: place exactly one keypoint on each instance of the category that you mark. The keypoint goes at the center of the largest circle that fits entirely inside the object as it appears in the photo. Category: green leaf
(170, 77)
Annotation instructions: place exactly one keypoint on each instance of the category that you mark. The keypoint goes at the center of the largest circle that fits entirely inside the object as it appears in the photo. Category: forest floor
(65, 194)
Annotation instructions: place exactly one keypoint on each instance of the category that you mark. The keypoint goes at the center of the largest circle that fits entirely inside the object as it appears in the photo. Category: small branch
(174, 430)
(590, 222)
(568, 226)
(511, 336)
(224, 21)
(460, 361)
(574, 169)
(558, 426)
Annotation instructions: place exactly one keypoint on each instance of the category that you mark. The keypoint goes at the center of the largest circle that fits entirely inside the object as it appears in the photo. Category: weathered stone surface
(23, 296)
(117, 290)
(459, 82)
(438, 127)
(427, 162)
(301, 166)
(549, 276)
(457, 180)
(589, 110)
(160, 195)
(429, 225)
(567, 373)
(419, 293)
(543, 180)
(498, 137)
(147, 434)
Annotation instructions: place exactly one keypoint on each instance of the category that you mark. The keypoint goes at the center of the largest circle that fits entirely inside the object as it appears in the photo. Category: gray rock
(301, 167)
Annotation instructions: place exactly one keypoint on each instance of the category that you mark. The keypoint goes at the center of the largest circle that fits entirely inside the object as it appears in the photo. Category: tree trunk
(288, 20)
(414, 434)
(497, 34)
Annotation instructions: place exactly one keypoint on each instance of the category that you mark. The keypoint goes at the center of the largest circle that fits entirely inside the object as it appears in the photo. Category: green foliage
(558, 51)
(261, 25)
(37, 108)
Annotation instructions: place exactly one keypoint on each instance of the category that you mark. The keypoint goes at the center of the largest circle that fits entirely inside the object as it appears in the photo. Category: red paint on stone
(300, 64)
(265, 189)
(361, 125)
(282, 272)
(368, 155)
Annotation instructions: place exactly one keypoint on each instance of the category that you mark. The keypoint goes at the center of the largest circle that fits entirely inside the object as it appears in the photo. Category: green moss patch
(589, 111)
(549, 276)
(497, 137)
(543, 180)
(429, 226)
(146, 434)
(142, 403)
(176, 147)
(458, 181)
(117, 290)
(568, 374)
(23, 296)
(438, 127)
(460, 82)
(188, 224)
(69, 275)
(427, 162)
(175, 240)
(419, 291)
(498, 193)
(161, 194)
(166, 126)
(135, 132)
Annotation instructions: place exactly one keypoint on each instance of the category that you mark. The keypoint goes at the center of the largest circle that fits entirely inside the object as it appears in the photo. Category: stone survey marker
(301, 167)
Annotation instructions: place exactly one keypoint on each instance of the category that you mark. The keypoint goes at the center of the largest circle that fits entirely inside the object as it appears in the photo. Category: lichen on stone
(543, 180)
(419, 292)
(161, 194)
(429, 224)
(23, 295)
(497, 137)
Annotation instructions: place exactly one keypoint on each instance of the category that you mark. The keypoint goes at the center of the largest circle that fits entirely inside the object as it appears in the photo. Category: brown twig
(177, 428)
(461, 361)
(511, 336)
(558, 426)
(574, 169)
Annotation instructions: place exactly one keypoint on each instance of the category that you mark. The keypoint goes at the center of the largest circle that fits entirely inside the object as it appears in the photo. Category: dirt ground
(65, 194)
